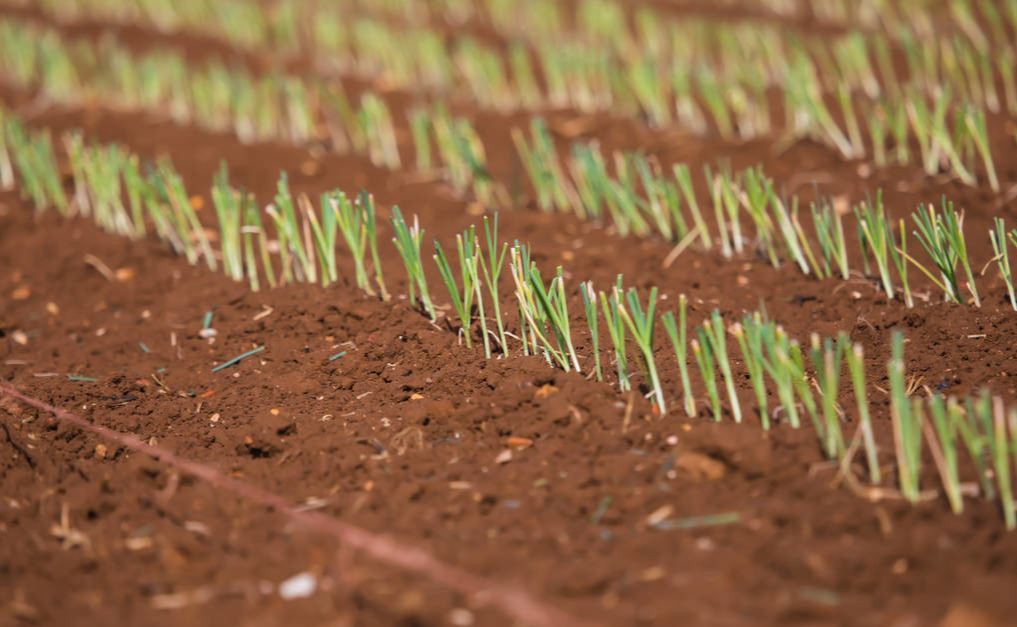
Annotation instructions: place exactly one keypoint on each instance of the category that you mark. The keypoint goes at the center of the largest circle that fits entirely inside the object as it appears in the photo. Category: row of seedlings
(805, 381)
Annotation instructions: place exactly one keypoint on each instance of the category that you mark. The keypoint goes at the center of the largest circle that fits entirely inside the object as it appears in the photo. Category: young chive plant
(461, 302)
(942, 438)
(616, 329)
(748, 334)
(555, 314)
(1001, 255)
(37, 167)
(975, 430)
(793, 361)
(942, 237)
(907, 419)
(1001, 450)
(714, 333)
(679, 340)
(407, 241)
(350, 221)
(856, 367)
(899, 256)
(297, 262)
(365, 203)
(227, 203)
(778, 347)
(590, 306)
(701, 348)
(876, 239)
(192, 235)
(323, 233)
(542, 166)
(491, 265)
(254, 231)
(640, 323)
(544, 309)
(974, 119)
(830, 232)
(827, 356)
(684, 178)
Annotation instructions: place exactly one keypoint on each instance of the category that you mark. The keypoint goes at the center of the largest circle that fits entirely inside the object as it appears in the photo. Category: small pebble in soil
(659, 515)
(298, 586)
(653, 573)
(461, 617)
(197, 527)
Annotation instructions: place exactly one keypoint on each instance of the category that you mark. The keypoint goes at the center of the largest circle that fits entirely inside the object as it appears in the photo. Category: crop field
(553, 313)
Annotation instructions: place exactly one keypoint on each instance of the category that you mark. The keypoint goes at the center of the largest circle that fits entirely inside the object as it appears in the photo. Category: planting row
(282, 107)
(607, 23)
(706, 74)
(636, 198)
(789, 383)
(640, 197)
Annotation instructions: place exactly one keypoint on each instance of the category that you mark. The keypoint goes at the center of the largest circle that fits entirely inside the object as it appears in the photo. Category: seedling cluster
(631, 191)
(847, 91)
(790, 383)
(640, 198)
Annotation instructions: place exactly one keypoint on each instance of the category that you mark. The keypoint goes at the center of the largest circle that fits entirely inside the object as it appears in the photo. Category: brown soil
(404, 433)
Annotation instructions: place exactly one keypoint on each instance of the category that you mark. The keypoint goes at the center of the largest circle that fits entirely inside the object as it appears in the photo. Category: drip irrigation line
(512, 601)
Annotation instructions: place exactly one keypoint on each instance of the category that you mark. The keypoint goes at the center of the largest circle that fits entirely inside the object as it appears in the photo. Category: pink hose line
(513, 601)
